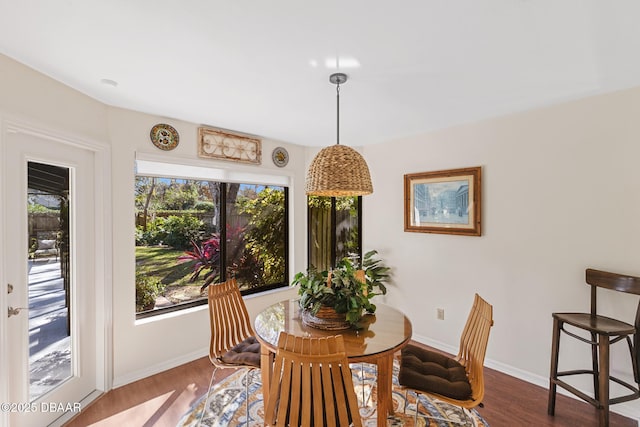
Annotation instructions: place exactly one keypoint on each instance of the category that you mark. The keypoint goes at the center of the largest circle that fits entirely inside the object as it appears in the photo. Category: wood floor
(162, 399)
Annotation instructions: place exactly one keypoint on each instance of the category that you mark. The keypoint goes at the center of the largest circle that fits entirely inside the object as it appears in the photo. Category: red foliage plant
(205, 256)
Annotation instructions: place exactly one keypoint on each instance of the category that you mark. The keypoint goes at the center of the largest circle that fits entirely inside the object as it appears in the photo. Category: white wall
(561, 192)
(29, 95)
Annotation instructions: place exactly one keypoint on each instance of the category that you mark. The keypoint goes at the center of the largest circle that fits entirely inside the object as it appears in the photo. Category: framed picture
(218, 144)
(446, 202)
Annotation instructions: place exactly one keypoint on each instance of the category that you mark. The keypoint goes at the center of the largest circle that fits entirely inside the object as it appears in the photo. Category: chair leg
(206, 400)
(365, 398)
(406, 400)
(362, 383)
(634, 361)
(467, 416)
(246, 393)
(603, 400)
(468, 420)
(553, 375)
(406, 403)
(415, 419)
(595, 368)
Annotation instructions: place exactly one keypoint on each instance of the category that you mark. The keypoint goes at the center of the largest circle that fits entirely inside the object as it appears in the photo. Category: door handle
(9, 288)
(15, 311)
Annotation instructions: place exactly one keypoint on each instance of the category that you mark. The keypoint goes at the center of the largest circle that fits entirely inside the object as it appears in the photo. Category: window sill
(170, 314)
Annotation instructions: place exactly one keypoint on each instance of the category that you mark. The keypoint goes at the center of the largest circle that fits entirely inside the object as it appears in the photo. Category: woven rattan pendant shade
(338, 171)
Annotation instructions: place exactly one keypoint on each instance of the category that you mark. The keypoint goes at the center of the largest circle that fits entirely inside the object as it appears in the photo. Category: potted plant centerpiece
(338, 299)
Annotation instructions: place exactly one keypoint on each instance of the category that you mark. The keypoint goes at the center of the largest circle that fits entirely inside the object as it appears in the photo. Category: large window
(190, 233)
(334, 230)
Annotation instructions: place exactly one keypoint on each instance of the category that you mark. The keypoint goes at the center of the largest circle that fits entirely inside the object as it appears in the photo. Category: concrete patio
(49, 342)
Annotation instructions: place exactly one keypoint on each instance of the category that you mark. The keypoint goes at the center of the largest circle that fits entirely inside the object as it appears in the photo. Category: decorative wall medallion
(164, 136)
(280, 157)
(218, 144)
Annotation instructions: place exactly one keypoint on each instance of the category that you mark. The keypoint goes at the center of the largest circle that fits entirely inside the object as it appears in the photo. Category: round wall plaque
(164, 136)
(280, 157)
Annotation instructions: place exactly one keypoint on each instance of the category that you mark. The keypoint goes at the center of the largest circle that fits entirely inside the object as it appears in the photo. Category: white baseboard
(157, 368)
(627, 409)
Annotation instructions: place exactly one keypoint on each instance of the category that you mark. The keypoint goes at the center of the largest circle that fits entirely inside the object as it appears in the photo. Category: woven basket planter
(326, 318)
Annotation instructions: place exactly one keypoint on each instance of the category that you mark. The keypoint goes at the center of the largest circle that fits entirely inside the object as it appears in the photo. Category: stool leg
(553, 375)
(595, 366)
(603, 410)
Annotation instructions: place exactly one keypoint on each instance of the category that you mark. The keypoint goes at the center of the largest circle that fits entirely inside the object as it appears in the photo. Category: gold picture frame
(225, 145)
(444, 202)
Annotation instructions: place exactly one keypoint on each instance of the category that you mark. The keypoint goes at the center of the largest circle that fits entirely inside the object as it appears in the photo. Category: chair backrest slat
(613, 281)
(228, 317)
(473, 344)
(312, 384)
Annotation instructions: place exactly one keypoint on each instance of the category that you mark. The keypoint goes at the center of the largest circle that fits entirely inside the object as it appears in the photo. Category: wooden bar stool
(603, 332)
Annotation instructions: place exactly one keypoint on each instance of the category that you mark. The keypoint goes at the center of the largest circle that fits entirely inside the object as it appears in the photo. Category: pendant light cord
(338, 112)
(337, 79)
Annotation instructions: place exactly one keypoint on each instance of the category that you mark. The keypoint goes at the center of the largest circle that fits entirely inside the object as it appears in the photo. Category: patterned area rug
(226, 405)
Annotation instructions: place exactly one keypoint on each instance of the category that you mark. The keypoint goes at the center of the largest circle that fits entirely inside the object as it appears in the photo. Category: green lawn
(163, 264)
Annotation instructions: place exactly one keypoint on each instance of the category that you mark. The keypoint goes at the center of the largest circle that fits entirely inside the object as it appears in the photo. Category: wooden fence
(43, 223)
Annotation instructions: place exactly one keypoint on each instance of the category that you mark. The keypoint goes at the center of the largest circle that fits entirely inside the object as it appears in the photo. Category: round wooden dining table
(381, 335)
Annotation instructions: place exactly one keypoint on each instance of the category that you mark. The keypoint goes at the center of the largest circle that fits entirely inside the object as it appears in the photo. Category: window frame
(218, 175)
(223, 238)
(334, 239)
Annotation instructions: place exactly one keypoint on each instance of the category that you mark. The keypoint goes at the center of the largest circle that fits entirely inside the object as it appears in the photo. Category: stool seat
(600, 324)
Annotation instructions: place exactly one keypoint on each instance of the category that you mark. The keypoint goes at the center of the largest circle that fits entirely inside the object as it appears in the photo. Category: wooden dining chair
(232, 344)
(602, 332)
(457, 380)
(312, 384)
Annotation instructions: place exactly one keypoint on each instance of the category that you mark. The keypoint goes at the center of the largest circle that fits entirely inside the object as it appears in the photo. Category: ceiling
(262, 67)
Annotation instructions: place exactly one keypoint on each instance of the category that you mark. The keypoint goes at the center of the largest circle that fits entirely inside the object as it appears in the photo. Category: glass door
(50, 267)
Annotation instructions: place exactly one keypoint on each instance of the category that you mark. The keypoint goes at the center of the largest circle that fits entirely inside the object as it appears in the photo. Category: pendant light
(338, 170)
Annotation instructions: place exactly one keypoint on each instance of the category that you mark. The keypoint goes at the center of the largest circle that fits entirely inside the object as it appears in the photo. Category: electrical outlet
(440, 313)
